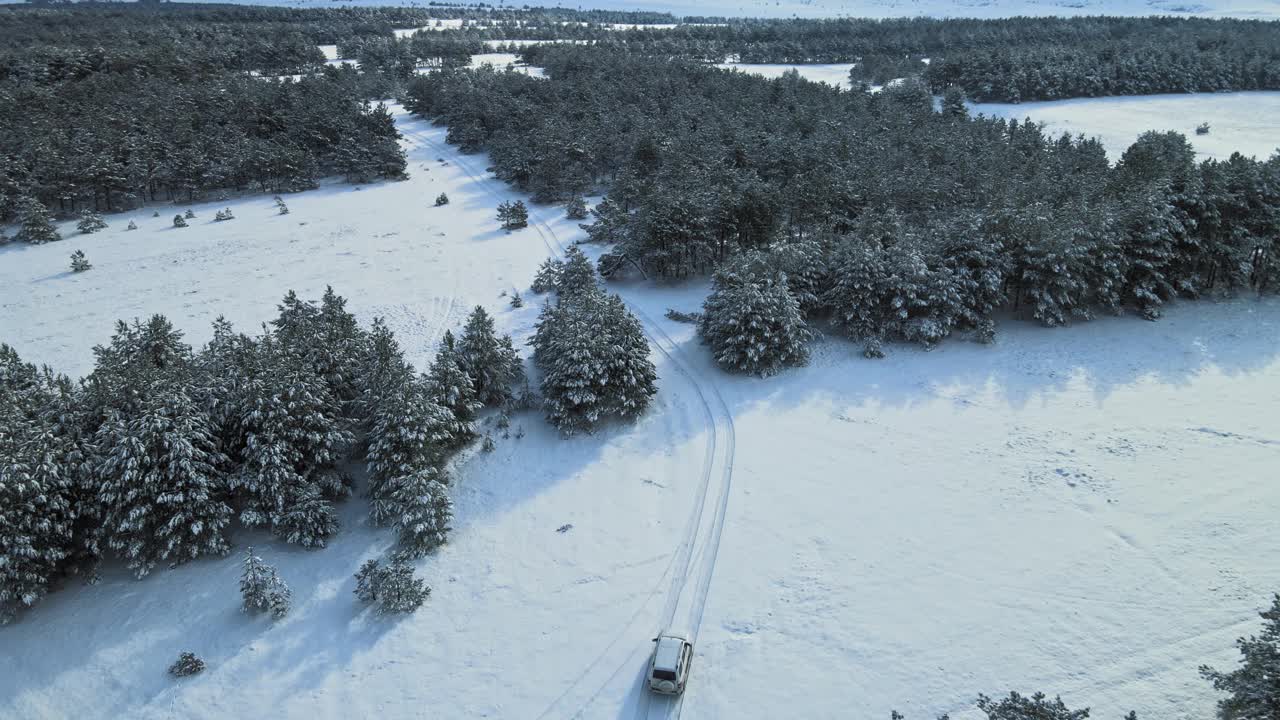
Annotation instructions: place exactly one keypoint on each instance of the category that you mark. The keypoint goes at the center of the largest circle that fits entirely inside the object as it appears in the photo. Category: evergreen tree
(163, 495)
(189, 214)
(329, 340)
(594, 359)
(513, 215)
(179, 221)
(409, 433)
(953, 102)
(575, 273)
(423, 510)
(1036, 707)
(131, 226)
(442, 199)
(490, 361)
(90, 222)
(37, 228)
(78, 262)
(393, 587)
(39, 465)
(261, 587)
(548, 276)
(754, 324)
(576, 208)
(187, 664)
(293, 436)
(1253, 688)
(450, 386)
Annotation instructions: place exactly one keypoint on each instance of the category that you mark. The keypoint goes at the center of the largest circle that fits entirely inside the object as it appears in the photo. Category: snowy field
(1086, 511)
(1244, 122)
(836, 75)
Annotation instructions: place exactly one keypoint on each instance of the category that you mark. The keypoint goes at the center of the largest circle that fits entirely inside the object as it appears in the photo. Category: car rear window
(664, 675)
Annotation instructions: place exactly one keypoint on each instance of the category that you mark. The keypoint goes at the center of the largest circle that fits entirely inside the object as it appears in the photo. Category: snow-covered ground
(1244, 122)
(836, 74)
(1086, 511)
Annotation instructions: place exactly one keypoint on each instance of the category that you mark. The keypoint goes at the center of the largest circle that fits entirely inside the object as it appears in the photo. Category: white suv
(669, 666)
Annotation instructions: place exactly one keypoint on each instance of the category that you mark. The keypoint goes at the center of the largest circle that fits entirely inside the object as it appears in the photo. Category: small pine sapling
(262, 589)
(131, 226)
(223, 215)
(442, 199)
(284, 209)
(90, 222)
(78, 262)
(516, 300)
(393, 587)
(155, 214)
(186, 664)
(179, 221)
(189, 214)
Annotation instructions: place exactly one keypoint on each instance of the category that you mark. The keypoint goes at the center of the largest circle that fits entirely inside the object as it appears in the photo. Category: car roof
(667, 655)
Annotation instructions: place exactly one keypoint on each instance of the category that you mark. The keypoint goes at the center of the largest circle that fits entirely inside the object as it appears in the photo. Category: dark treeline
(152, 457)
(992, 60)
(903, 222)
(107, 107)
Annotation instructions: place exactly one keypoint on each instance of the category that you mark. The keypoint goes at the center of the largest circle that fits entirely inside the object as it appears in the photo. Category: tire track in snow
(720, 446)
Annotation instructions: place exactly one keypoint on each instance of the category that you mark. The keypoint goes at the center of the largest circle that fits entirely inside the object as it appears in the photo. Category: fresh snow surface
(1244, 122)
(1087, 511)
(836, 75)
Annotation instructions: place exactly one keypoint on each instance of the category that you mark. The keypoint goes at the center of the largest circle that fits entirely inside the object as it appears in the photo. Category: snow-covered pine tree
(632, 377)
(294, 436)
(368, 580)
(393, 586)
(1253, 688)
(1151, 230)
(223, 215)
(513, 215)
(1021, 707)
(576, 273)
(490, 361)
(409, 433)
(449, 385)
(78, 262)
(38, 474)
(754, 324)
(423, 510)
(163, 495)
(261, 587)
(442, 199)
(189, 214)
(186, 664)
(576, 208)
(179, 221)
(855, 295)
(37, 227)
(328, 339)
(953, 102)
(131, 226)
(594, 360)
(399, 591)
(90, 222)
(548, 276)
